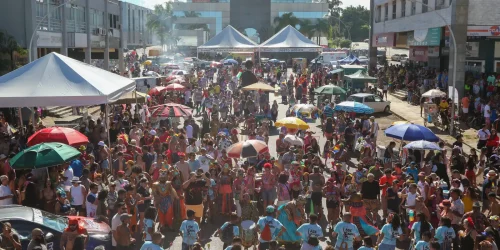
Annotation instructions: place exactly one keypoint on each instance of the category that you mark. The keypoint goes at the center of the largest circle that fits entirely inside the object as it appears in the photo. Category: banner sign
(227, 49)
(418, 54)
(291, 49)
(425, 37)
(384, 40)
(483, 30)
(432, 51)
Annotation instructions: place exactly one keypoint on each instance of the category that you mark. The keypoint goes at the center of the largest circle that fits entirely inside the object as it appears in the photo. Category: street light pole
(452, 127)
(38, 26)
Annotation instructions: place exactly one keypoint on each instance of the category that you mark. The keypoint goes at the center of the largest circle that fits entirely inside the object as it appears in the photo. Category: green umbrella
(44, 155)
(330, 90)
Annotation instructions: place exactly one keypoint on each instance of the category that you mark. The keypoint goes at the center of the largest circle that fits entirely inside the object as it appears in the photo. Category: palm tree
(182, 26)
(285, 20)
(306, 28)
(321, 27)
(9, 45)
(161, 20)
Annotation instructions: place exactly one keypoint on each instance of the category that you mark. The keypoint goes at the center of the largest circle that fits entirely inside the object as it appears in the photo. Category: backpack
(227, 234)
(266, 232)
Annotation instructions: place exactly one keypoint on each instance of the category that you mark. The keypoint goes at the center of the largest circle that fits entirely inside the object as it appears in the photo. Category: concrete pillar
(88, 51)
(64, 40)
(419, 8)
(408, 8)
(389, 15)
(398, 8)
(459, 20)
(29, 26)
(121, 61)
(372, 50)
(106, 37)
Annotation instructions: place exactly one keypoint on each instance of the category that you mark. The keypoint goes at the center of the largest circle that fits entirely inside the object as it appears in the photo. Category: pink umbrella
(174, 87)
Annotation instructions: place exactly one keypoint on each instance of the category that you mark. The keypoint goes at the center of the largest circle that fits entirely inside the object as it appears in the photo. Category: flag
(336, 149)
(238, 75)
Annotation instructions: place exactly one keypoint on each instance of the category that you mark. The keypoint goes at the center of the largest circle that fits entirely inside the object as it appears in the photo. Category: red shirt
(383, 180)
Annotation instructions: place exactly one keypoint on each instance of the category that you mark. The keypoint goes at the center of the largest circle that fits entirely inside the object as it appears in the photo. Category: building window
(424, 5)
(413, 8)
(386, 8)
(403, 8)
(379, 14)
(394, 10)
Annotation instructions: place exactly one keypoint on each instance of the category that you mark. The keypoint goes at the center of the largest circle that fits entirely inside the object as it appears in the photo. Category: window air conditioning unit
(103, 32)
(95, 31)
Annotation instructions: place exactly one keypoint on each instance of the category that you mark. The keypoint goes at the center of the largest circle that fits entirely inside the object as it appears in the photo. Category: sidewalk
(411, 113)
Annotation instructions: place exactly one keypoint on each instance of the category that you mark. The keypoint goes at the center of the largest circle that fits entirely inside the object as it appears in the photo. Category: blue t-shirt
(189, 229)
(346, 232)
(307, 229)
(148, 223)
(274, 225)
(444, 233)
(416, 229)
(148, 245)
(365, 248)
(390, 235)
(236, 229)
(422, 245)
(211, 188)
(194, 165)
(413, 172)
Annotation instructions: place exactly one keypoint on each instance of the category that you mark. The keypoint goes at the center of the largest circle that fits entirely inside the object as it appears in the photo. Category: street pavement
(208, 230)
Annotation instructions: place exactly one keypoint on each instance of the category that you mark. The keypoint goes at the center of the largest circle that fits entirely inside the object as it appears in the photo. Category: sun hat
(270, 209)
(75, 180)
(101, 143)
(152, 132)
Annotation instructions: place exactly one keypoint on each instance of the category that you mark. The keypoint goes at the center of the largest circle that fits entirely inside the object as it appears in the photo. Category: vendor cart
(431, 114)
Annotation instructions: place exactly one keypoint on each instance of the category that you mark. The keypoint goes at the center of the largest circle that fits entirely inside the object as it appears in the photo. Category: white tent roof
(57, 80)
(289, 39)
(228, 40)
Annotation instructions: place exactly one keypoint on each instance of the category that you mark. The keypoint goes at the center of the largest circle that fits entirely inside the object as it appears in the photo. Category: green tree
(357, 19)
(285, 20)
(321, 27)
(306, 28)
(160, 21)
(9, 46)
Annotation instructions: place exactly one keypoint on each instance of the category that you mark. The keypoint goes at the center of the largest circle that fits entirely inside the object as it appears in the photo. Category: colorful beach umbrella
(64, 135)
(44, 155)
(171, 110)
(292, 123)
(246, 149)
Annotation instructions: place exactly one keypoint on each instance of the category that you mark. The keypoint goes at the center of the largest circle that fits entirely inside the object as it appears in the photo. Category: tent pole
(109, 124)
(21, 119)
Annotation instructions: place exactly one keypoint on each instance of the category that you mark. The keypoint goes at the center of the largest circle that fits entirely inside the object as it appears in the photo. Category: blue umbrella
(230, 61)
(350, 106)
(411, 132)
(422, 145)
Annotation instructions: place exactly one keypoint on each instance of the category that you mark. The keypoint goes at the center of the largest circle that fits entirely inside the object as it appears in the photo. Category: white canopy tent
(57, 80)
(289, 39)
(229, 40)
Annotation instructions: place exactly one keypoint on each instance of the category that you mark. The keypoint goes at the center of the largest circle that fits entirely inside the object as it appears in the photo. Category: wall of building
(484, 12)
(214, 13)
(135, 32)
(254, 14)
(13, 22)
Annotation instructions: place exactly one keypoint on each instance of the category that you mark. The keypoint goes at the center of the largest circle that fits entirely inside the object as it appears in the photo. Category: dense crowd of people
(169, 176)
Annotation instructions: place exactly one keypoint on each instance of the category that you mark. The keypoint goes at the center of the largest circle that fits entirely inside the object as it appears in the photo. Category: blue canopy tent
(348, 60)
(355, 62)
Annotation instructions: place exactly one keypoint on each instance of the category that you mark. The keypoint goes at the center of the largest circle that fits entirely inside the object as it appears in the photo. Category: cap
(412, 163)
(152, 132)
(181, 154)
(270, 209)
(268, 165)
(125, 216)
(82, 148)
(372, 117)
(75, 180)
(121, 172)
(476, 204)
(101, 143)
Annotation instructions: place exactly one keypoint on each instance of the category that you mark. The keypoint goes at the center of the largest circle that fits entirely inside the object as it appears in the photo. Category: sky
(151, 3)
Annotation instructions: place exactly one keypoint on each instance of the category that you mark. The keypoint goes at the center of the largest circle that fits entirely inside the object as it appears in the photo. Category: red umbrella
(174, 87)
(156, 90)
(67, 136)
(171, 110)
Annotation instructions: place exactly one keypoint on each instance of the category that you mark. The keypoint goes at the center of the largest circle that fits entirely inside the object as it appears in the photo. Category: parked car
(395, 57)
(25, 219)
(372, 101)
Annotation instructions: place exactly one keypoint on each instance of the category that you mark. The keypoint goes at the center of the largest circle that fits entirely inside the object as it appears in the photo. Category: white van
(327, 57)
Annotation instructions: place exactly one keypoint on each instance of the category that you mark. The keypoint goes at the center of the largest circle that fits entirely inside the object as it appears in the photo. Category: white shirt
(486, 109)
(115, 222)
(69, 174)
(5, 191)
(205, 162)
(189, 131)
(483, 135)
(76, 195)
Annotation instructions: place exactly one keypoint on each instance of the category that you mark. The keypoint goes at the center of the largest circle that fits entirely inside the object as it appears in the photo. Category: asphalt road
(208, 230)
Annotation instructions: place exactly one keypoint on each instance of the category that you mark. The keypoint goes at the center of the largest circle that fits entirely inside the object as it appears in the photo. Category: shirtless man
(317, 181)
